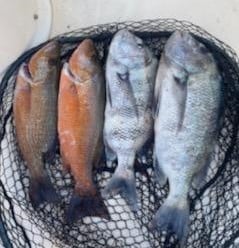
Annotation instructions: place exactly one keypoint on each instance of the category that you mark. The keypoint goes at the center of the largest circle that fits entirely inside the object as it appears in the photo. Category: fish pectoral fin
(108, 94)
(82, 206)
(155, 107)
(124, 78)
(159, 175)
(126, 187)
(180, 93)
(156, 100)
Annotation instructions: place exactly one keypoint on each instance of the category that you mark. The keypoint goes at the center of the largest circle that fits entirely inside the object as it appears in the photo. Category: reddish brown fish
(35, 116)
(81, 105)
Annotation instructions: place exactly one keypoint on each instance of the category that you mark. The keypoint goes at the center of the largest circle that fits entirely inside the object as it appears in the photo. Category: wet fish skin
(130, 75)
(188, 96)
(35, 115)
(80, 126)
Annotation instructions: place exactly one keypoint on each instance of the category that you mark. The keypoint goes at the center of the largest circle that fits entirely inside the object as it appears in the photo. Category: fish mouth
(85, 48)
(126, 56)
(147, 60)
(52, 45)
(48, 51)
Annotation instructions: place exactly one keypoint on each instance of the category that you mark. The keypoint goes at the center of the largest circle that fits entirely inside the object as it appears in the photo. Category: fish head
(43, 61)
(83, 63)
(129, 49)
(184, 50)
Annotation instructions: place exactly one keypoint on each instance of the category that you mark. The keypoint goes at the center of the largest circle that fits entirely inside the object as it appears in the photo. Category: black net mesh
(214, 218)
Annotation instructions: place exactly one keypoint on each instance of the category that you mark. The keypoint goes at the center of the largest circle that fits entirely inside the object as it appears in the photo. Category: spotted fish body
(35, 116)
(188, 96)
(130, 75)
(80, 126)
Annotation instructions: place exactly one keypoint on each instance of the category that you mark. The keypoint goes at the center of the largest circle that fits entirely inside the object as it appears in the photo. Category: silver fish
(188, 97)
(130, 77)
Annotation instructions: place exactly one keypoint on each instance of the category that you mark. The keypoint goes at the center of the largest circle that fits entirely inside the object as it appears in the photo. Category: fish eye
(94, 57)
(203, 49)
(123, 76)
(177, 80)
(140, 45)
(180, 80)
(53, 61)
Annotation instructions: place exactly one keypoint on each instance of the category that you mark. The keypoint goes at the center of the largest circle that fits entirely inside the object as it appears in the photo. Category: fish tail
(173, 219)
(41, 190)
(89, 205)
(126, 187)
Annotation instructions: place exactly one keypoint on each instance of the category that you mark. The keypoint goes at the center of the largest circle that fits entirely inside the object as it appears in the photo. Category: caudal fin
(173, 219)
(41, 190)
(125, 187)
(82, 206)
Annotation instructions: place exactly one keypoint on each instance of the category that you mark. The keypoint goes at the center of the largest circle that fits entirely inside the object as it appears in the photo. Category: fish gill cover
(214, 209)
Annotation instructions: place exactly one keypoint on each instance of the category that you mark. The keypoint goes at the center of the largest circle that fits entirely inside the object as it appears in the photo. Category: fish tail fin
(41, 190)
(82, 206)
(126, 187)
(174, 219)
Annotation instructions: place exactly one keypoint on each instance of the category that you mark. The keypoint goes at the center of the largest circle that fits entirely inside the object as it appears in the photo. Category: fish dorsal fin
(180, 90)
(124, 79)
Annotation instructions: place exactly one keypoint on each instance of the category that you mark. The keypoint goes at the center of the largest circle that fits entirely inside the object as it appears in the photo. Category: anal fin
(50, 154)
(98, 154)
(109, 154)
(199, 178)
(160, 177)
(66, 164)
